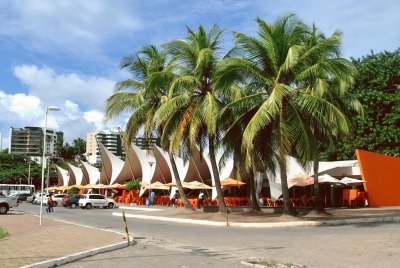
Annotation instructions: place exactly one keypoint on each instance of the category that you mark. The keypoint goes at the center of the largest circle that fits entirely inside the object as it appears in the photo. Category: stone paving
(29, 242)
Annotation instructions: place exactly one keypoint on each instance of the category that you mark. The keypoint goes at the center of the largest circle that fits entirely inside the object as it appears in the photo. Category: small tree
(73, 190)
(133, 185)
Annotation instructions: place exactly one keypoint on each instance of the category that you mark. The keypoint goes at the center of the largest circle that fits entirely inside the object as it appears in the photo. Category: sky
(66, 53)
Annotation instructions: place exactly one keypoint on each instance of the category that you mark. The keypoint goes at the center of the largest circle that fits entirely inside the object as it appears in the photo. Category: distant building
(29, 141)
(111, 139)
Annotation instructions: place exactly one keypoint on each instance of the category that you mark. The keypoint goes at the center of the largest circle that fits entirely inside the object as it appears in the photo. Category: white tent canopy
(90, 172)
(62, 175)
(75, 174)
(112, 166)
(351, 181)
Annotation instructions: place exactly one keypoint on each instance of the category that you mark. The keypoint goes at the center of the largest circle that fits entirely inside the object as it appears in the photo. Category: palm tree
(152, 74)
(275, 65)
(332, 88)
(191, 112)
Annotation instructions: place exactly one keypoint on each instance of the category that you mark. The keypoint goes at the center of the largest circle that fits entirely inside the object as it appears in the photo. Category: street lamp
(49, 108)
(151, 169)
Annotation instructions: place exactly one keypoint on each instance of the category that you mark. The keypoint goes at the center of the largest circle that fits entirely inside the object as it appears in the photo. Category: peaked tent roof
(75, 175)
(62, 175)
(91, 173)
(112, 166)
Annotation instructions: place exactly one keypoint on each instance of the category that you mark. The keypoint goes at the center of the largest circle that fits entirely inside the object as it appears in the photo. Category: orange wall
(382, 176)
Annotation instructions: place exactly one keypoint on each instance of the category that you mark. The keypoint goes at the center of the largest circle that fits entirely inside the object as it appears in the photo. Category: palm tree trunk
(318, 204)
(254, 202)
(288, 209)
(220, 195)
(179, 184)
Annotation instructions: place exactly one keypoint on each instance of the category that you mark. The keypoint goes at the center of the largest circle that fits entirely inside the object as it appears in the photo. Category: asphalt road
(186, 245)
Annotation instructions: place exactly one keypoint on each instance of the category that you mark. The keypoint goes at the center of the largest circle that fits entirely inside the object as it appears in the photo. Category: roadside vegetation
(3, 233)
(284, 92)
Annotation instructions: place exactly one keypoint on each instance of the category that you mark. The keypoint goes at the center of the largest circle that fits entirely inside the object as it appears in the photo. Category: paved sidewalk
(267, 218)
(29, 243)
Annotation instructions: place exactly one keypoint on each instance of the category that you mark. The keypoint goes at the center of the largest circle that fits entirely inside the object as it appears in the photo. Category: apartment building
(110, 138)
(29, 141)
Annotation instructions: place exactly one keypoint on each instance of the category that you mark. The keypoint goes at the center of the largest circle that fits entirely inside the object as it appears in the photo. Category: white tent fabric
(325, 178)
(112, 166)
(351, 181)
(62, 175)
(181, 166)
(75, 174)
(275, 188)
(90, 172)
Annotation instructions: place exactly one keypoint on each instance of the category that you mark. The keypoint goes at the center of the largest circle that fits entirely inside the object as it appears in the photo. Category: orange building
(382, 176)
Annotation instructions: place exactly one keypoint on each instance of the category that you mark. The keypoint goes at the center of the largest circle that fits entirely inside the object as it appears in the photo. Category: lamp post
(151, 169)
(49, 108)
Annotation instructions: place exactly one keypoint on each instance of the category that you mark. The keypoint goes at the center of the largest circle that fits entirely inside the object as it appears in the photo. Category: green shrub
(3, 233)
(133, 185)
(73, 190)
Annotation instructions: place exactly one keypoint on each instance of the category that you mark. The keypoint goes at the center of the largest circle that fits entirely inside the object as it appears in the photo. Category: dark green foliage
(133, 185)
(73, 190)
(15, 166)
(377, 88)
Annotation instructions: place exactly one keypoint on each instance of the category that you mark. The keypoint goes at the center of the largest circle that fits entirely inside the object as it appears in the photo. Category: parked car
(72, 201)
(23, 197)
(40, 196)
(30, 199)
(96, 200)
(7, 202)
(57, 198)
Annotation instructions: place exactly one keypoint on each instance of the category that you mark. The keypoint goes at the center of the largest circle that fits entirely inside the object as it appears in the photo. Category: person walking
(50, 203)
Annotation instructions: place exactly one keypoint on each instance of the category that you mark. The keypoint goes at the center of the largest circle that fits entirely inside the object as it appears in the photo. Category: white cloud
(20, 106)
(95, 117)
(54, 89)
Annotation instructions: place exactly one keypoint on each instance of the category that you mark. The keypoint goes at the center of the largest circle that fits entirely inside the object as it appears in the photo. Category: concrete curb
(265, 224)
(77, 256)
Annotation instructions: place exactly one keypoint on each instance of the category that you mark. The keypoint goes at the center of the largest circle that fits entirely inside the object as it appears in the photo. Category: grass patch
(3, 233)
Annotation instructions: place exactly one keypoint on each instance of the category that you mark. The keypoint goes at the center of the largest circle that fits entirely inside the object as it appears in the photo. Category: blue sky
(67, 52)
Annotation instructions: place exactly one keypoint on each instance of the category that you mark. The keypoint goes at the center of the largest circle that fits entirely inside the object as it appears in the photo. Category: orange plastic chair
(353, 197)
(345, 198)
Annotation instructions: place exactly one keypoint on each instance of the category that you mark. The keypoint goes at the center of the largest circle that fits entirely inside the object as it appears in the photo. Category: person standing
(152, 194)
(201, 200)
(50, 203)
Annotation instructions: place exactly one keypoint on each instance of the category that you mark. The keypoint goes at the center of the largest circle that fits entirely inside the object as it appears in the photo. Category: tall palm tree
(276, 64)
(151, 71)
(332, 88)
(193, 106)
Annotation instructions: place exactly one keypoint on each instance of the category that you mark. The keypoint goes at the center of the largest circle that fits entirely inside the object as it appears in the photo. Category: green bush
(133, 185)
(3, 233)
(73, 190)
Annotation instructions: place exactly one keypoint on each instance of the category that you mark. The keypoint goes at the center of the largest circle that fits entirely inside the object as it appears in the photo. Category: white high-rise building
(111, 139)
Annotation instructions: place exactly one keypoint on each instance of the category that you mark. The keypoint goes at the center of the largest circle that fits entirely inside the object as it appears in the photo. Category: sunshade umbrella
(100, 186)
(325, 178)
(300, 180)
(121, 186)
(116, 185)
(195, 185)
(51, 188)
(62, 188)
(351, 181)
(77, 186)
(231, 182)
(88, 186)
(171, 184)
(158, 186)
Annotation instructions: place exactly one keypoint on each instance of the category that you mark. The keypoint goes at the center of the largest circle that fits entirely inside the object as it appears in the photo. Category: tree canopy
(377, 88)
